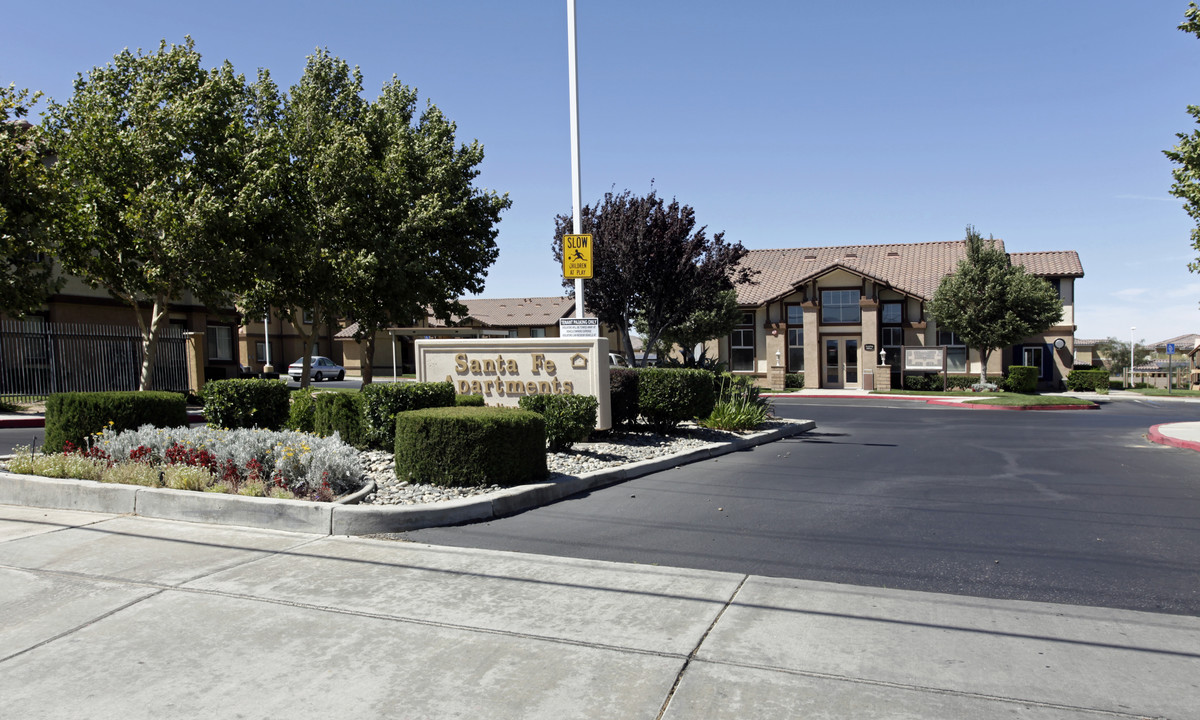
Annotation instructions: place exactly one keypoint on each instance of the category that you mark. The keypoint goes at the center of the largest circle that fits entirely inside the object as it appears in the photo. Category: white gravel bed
(616, 448)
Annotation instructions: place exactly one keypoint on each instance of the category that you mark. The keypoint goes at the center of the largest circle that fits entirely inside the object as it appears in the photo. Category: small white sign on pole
(578, 327)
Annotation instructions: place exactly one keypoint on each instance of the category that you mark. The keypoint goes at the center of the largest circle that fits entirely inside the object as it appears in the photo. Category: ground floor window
(795, 358)
(260, 351)
(1032, 356)
(220, 342)
(741, 346)
(537, 332)
(956, 352)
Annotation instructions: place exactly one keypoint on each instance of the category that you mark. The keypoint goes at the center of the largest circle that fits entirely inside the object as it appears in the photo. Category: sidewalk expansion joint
(79, 627)
(923, 689)
(161, 588)
(692, 655)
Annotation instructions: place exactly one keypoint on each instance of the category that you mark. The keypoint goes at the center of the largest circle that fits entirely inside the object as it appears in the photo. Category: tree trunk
(306, 348)
(629, 354)
(367, 368)
(984, 354)
(150, 335)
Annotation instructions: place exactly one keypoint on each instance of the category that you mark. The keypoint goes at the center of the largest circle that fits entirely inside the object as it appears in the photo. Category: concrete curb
(1156, 436)
(342, 519)
(974, 406)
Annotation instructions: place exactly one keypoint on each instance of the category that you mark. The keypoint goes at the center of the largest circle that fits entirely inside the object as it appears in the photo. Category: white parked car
(616, 360)
(322, 369)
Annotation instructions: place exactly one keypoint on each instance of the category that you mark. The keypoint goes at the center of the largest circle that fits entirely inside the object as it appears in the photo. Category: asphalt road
(1071, 507)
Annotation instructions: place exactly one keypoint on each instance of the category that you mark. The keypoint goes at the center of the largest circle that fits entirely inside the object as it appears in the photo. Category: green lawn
(1163, 391)
(1018, 400)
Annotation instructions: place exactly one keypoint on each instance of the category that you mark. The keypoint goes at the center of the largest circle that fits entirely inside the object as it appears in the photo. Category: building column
(812, 344)
(196, 355)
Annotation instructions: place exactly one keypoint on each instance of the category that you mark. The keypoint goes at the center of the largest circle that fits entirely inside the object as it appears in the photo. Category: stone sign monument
(505, 370)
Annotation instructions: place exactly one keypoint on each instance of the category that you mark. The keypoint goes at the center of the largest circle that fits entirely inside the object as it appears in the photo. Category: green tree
(159, 155)
(716, 319)
(1115, 354)
(376, 218)
(1187, 153)
(651, 262)
(28, 198)
(991, 303)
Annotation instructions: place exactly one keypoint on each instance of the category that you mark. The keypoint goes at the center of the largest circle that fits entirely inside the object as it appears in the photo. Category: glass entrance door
(841, 363)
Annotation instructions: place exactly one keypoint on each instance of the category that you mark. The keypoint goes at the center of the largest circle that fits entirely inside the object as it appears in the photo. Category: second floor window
(840, 306)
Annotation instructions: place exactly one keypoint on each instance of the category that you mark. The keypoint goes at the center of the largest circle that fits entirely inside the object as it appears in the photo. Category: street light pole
(576, 193)
(1131, 356)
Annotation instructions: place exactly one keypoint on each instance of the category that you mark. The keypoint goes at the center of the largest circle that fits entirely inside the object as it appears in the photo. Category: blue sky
(784, 124)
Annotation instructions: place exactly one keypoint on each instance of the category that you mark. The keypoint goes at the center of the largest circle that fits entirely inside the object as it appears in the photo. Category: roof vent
(893, 253)
(810, 257)
(851, 254)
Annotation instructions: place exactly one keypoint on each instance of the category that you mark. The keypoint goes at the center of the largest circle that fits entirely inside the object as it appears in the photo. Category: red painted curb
(1155, 436)
(33, 422)
(973, 406)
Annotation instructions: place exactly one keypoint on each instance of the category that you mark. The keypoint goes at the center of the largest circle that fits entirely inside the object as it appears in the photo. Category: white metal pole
(1131, 356)
(576, 194)
(394, 377)
(267, 333)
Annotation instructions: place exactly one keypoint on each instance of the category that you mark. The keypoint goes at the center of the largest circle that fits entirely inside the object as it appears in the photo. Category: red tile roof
(915, 269)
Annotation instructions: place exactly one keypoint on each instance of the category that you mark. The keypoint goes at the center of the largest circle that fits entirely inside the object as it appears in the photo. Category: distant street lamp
(1131, 329)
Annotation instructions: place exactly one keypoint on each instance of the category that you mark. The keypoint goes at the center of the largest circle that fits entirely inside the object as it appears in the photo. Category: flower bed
(262, 463)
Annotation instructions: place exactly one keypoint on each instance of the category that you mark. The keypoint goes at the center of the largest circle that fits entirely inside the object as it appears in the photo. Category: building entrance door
(841, 363)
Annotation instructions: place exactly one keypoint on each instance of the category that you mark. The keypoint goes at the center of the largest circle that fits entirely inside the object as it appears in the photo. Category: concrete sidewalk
(122, 617)
(1181, 435)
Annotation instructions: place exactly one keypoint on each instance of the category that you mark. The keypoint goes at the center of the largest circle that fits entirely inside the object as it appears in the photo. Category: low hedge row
(794, 381)
(669, 396)
(1090, 379)
(470, 446)
(73, 417)
(341, 413)
(623, 394)
(383, 401)
(248, 403)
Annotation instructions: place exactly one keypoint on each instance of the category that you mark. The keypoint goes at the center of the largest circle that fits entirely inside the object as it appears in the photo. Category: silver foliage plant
(300, 459)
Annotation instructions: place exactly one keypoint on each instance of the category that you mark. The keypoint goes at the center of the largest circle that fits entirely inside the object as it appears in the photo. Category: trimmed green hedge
(469, 401)
(1087, 379)
(248, 403)
(569, 418)
(794, 381)
(933, 382)
(383, 401)
(73, 417)
(339, 412)
(1022, 379)
(471, 446)
(623, 394)
(669, 396)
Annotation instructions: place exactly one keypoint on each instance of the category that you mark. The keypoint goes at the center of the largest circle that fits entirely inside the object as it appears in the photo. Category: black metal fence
(39, 358)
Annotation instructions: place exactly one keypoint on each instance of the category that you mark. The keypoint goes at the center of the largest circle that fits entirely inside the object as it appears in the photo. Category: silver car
(322, 369)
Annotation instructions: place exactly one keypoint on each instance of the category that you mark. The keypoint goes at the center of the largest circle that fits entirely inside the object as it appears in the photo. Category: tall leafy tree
(1187, 153)
(991, 303)
(651, 262)
(159, 155)
(376, 217)
(29, 199)
(716, 319)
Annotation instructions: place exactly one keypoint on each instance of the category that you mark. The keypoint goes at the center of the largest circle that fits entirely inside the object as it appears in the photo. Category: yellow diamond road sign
(577, 257)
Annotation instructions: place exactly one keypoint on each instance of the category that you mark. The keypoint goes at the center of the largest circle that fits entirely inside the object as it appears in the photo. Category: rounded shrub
(669, 396)
(569, 418)
(1087, 379)
(470, 446)
(73, 417)
(341, 413)
(1022, 379)
(469, 401)
(301, 414)
(246, 403)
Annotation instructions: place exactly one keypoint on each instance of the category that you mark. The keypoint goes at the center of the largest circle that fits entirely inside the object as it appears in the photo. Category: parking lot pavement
(126, 617)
